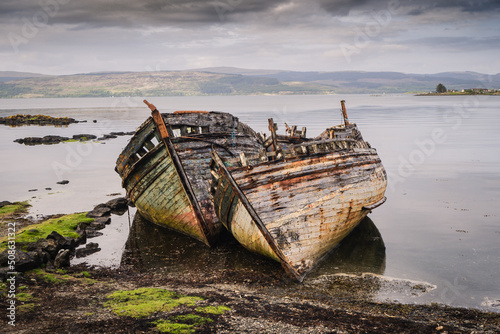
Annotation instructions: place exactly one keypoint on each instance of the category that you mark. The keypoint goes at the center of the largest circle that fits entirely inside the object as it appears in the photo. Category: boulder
(91, 233)
(47, 245)
(59, 239)
(30, 141)
(90, 248)
(23, 261)
(40, 256)
(100, 210)
(81, 227)
(84, 137)
(69, 243)
(103, 220)
(53, 139)
(119, 204)
(96, 225)
(62, 242)
(62, 258)
(107, 136)
(4, 203)
(81, 239)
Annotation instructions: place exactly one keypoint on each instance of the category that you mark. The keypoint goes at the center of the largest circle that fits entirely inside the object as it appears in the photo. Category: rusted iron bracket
(375, 205)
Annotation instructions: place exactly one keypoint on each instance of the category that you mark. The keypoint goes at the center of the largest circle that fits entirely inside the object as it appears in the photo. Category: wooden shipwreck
(297, 199)
(165, 167)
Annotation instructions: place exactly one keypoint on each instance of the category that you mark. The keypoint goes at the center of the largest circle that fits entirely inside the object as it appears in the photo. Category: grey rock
(4, 203)
(118, 204)
(103, 220)
(95, 225)
(56, 237)
(62, 258)
(91, 233)
(84, 137)
(100, 210)
(90, 248)
(23, 261)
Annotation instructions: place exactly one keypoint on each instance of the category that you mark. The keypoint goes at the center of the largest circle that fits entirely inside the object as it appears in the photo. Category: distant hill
(233, 81)
(12, 75)
(375, 82)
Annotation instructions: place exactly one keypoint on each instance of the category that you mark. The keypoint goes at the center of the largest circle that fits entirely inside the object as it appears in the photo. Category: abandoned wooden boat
(165, 167)
(295, 204)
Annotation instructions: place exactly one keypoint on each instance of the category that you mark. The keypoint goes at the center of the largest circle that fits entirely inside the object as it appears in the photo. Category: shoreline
(456, 94)
(77, 297)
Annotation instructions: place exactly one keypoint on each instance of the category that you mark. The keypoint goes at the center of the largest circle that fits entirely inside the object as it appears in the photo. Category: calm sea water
(440, 224)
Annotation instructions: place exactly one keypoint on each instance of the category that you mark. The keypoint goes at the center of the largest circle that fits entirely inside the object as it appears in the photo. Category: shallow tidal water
(440, 225)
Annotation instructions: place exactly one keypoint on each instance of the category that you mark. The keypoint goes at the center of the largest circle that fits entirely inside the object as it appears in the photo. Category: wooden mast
(344, 113)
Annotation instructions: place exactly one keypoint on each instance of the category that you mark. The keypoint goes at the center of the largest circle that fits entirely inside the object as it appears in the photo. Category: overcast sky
(81, 36)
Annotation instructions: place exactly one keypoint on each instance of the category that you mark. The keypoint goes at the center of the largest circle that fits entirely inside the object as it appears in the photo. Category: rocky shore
(50, 249)
(86, 300)
(21, 119)
(51, 139)
(54, 297)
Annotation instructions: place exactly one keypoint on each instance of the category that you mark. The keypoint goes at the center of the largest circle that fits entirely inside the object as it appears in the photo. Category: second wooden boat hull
(296, 211)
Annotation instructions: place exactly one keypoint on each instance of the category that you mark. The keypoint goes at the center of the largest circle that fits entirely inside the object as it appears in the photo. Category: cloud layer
(69, 36)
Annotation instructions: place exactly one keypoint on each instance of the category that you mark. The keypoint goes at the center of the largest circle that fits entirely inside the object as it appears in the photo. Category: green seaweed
(64, 225)
(213, 309)
(47, 277)
(15, 208)
(166, 326)
(24, 296)
(60, 277)
(26, 302)
(142, 302)
(181, 324)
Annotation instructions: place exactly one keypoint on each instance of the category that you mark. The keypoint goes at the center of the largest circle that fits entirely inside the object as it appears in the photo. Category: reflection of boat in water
(362, 251)
(295, 204)
(150, 246)
(153, 246)
(164, 167)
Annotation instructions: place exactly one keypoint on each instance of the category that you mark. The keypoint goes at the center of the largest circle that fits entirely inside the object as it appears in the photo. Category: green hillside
(234, 81)
(151, 84)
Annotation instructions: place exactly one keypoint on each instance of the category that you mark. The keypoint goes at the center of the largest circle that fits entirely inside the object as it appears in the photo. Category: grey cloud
(467, 6)
(126, 13)
(342, 7)
(470, 5)
(413, 8)
(458, 44)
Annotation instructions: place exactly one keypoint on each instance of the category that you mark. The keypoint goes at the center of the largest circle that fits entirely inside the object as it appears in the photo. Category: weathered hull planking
(168, 179)
(298, 208)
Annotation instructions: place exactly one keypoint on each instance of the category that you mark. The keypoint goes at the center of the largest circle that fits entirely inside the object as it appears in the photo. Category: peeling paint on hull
(151, 169)
(296, 210)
